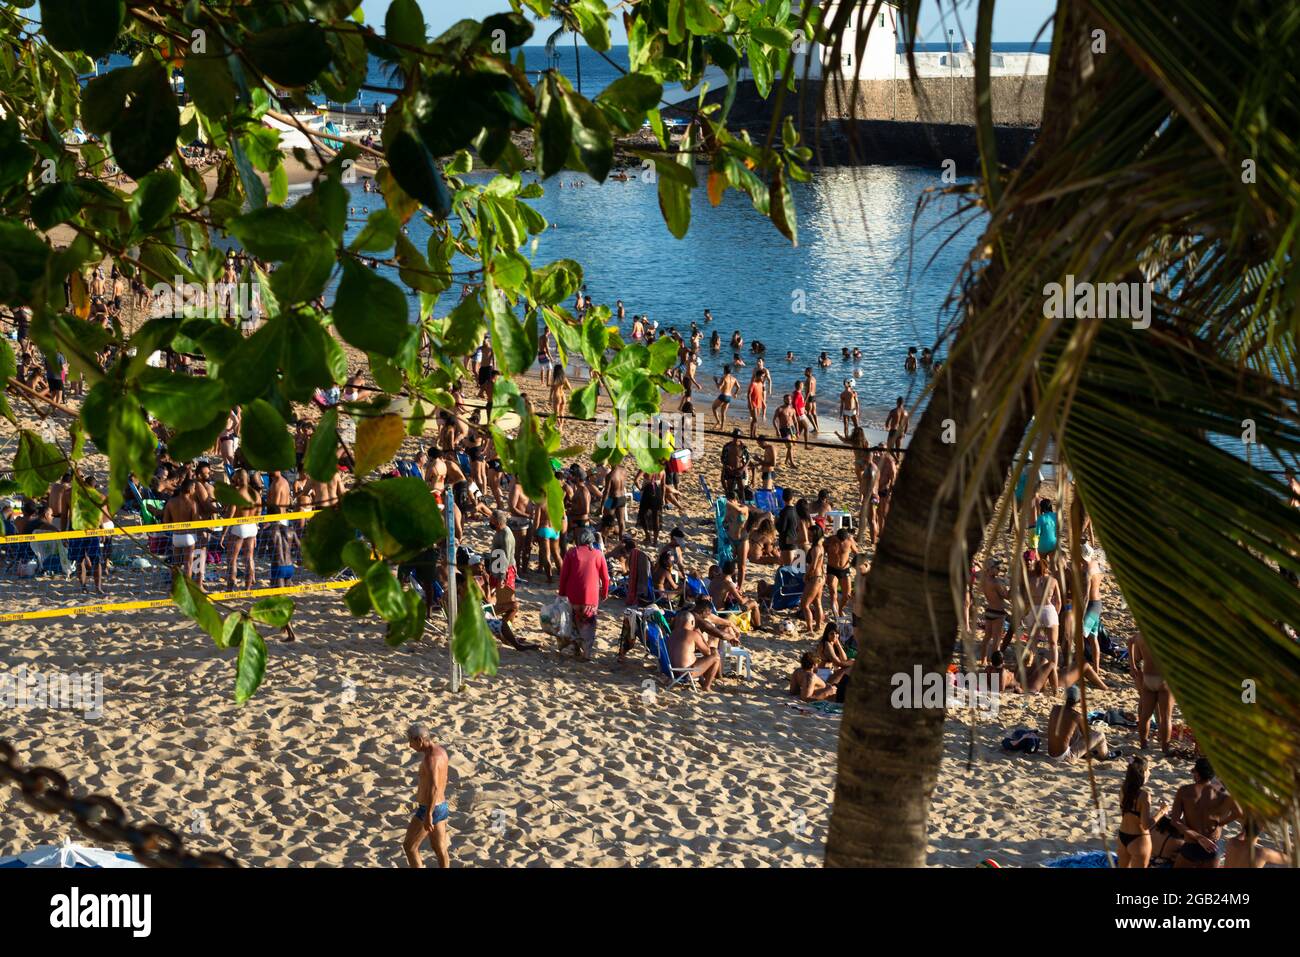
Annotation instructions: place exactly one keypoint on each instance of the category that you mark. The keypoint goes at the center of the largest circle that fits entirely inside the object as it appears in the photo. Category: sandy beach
(553, 762)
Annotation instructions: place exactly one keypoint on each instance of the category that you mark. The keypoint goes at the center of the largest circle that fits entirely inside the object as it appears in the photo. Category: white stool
(740, 656)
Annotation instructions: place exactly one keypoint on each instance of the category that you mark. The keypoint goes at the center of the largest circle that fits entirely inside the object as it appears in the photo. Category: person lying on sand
(431, 811)
(1068, 733)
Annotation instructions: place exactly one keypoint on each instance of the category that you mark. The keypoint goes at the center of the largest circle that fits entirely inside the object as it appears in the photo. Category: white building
(880, 59)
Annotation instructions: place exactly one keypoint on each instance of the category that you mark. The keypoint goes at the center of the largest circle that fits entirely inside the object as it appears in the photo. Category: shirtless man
(728, 389)
(735, 457)
(60, 501)
(431, 812)
(284, 536)
(840, 551)
(849, 407)
(688, 649)
(886, 475)
(727, 596)
(616, 496)
(715, 628)
(205, 496)
(1154, 696)
(736, 523)
(1068, 733)
(763, 466)
(896, 423)
(785, 420)
(1243, 850)
(181, 507)
(810, 398)
(1199, 813)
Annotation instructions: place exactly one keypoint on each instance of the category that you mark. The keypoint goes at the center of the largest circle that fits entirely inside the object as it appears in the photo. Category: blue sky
(1013, 20)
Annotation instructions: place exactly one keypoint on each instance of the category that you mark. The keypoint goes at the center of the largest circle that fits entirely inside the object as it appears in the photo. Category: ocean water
(866, 272)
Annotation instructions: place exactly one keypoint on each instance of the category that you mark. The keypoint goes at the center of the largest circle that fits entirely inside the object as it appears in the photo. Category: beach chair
(657, 642)
(787, 589)
(767, 500)
(722, 550)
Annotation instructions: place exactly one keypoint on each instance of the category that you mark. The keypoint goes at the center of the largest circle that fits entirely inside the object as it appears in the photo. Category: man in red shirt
(584, 580)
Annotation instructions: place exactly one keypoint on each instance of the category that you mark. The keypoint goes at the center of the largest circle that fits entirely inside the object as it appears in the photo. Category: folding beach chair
(766, 499)
(787, 589)
(657, 642)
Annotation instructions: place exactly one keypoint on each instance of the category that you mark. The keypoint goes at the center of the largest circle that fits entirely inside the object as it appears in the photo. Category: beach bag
(557, 618)
(741, 622)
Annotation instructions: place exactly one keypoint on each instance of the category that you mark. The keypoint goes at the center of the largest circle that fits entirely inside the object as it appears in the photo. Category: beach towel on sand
(1083, 859)
(1023, 740)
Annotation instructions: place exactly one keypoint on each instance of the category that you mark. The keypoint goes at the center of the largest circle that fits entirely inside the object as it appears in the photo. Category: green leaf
(145, 132)
(582, 403)
(89, 507)
(55, 204)
(513, 348)
(8, 369)
(154, 198)
(267, 443)
(398, 515)
(465, 327)
(273, 232)
(385, 592)
(663, 355)
(230, 631)
(210, 84)
(556, 282)
(37, 464)
(274, 611)
(629, 98)
(370, 312)
(87, 25)
(191, 600)
(252, 364)
(323, 540)
(591, 135)
(321, 460)
(291, 55)
(379, 234)
(251, 665)
(404, 23)
(472, 643)
(415, 170)
(783, 213)
(182, 401)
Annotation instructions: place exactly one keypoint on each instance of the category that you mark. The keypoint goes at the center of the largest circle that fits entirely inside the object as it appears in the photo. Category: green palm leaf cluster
(1178, 169)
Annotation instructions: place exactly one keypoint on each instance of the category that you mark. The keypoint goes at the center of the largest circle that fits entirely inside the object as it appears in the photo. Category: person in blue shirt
(1046, 528)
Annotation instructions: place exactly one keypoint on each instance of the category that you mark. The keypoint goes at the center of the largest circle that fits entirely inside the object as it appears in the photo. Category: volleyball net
(124, 568)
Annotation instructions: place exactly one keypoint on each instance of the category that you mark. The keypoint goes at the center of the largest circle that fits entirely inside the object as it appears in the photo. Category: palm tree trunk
(889, 756)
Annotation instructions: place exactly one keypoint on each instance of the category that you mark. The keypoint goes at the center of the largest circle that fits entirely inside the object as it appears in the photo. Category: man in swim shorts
(181, 507)
(431, 811)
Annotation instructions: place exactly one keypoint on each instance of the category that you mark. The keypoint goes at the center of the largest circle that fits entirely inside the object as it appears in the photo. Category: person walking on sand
(896, 423)
(785, 421)
(1154, 696)
(849, 407)
(757, 404)
(584, 580)
(431, 811)
(728, 388)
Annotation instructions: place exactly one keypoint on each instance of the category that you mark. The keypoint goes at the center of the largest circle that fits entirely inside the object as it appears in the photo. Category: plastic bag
(557, 617)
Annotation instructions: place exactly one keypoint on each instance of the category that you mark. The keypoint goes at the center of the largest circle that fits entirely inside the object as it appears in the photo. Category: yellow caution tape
(145, 529)
(163, 602)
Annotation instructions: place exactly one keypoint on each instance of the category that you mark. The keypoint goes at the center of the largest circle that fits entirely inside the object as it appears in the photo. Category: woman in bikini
(559, 390)
(228, 444)
(814, 579)
(243, 537)
(1136, 817)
